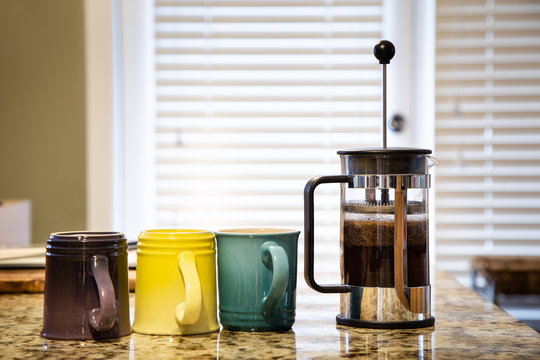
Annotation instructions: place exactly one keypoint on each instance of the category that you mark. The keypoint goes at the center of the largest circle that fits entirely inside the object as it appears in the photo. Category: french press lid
(384, 161)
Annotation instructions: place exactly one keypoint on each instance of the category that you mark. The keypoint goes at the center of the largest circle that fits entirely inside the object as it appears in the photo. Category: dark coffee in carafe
(368, 249)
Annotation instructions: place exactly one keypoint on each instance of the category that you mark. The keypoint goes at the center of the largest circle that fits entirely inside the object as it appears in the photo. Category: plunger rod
(384, 51)
(384, 105)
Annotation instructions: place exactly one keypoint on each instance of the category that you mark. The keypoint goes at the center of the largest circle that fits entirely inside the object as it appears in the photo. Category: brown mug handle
(104, 317)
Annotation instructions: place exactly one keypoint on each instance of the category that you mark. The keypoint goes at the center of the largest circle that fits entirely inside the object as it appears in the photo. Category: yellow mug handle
(188, 312)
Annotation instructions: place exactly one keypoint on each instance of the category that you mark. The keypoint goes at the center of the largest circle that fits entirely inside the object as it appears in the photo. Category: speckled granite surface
(466, 327)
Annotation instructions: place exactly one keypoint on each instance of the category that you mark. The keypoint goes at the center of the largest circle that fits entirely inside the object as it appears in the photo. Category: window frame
(121, 94)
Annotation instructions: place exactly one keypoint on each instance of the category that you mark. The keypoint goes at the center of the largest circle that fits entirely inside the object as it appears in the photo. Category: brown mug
(86, 286)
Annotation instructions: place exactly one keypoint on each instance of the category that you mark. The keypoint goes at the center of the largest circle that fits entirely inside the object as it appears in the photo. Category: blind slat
(462, 9)
(252, 12)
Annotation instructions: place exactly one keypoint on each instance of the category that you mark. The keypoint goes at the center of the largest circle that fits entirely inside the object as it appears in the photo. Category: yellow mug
(175, 287)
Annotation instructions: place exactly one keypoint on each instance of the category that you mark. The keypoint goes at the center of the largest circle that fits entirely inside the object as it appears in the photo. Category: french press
(384, 232)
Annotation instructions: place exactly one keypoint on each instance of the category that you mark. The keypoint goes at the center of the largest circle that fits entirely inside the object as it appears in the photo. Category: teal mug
(257, 278)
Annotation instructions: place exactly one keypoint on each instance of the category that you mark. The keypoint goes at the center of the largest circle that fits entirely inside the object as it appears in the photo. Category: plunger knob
(384, 51)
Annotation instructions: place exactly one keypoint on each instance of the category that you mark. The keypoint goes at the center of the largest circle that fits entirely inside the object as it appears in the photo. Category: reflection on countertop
(466, 326)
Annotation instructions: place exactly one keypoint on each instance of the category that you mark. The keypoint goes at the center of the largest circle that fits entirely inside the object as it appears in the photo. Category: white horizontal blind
(487, 130)
(253, 99)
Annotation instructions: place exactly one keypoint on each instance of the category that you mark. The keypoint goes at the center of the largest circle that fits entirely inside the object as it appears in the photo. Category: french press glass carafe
(384, 233)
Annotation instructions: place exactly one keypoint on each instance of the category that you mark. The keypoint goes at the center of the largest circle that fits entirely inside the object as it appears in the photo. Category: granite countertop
(466, 326)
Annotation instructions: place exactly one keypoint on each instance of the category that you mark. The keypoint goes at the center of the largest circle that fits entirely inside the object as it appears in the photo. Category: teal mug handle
(104, 317)
(275, 258)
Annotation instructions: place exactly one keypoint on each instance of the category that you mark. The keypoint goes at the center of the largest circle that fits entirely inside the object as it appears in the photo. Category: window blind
(254, 98)
(487, 130)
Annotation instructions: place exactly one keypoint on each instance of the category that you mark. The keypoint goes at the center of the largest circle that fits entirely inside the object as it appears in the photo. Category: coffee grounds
(381, 233)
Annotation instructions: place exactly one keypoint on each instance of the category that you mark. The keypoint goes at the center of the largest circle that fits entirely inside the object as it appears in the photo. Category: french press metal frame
(415, 299)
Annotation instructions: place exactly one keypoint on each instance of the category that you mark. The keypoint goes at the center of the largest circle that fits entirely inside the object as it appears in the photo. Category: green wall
(42, 111)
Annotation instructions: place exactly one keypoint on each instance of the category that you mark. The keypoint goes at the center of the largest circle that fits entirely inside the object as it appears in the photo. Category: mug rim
(174, 232)
(85, 235)
(256, 231)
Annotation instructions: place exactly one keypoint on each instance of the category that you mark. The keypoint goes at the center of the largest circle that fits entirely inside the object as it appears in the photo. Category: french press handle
(309, 226)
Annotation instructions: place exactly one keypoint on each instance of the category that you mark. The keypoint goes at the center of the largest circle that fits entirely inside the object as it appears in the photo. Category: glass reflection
(386, 344)
(198, 346)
